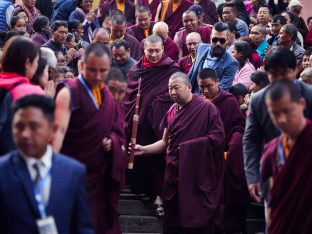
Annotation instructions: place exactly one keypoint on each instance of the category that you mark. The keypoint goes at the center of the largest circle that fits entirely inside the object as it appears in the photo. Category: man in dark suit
(280, 63)
(39, 189)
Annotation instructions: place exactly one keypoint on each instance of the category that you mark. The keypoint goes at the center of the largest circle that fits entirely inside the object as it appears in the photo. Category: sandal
(159, 210)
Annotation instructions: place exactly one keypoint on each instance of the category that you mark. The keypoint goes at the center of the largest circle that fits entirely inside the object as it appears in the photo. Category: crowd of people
(214, 99)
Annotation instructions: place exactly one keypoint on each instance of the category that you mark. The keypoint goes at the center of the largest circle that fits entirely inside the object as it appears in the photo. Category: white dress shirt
(45, 164)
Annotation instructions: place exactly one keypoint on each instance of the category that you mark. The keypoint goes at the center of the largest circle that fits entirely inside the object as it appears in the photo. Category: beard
(217, 51)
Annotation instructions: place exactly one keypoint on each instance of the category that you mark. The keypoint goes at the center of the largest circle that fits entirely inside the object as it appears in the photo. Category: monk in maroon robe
(126, 6)
(89, 130)
(172, 14)
(118, 31)
(286, 162)
(154, 70)
(193, 139)
(210, 15)
(151, 5)
(143, 27)
(190, 22)
(231, 215)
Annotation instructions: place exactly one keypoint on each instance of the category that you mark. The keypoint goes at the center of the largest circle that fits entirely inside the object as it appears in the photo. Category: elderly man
(190, 22)
(258, 38)
(192, 41)
(287, 38)
(143, 27)
(193, 140)
(118, 31)
(154, 70)
(215, 56)
(264, 16)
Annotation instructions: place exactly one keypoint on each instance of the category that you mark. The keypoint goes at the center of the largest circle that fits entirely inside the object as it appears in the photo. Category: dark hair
(42, 64)
(58, 23)
(115, 73)
(78, 2)
(153, 39)
(309, 19)
(280, 58)
(16, 52)
(233, 29)
(189, 12)
(39, 22)
(220, 10)
(143, 9)
(267, 6)
(279, 17)
(245, 49)
(260, 78)
(293, 17)
(282, 88)
(65, 69)
(308, 52)
(99, 49)
(118, 19)
(238, 90)
(119, 43)
(14, 20)
(208, 73)
(44, 103)
(291, 29)
(73, 25)
(220, 27)
(181, 75)
(70, 37)
(18, 10)
(232, 6)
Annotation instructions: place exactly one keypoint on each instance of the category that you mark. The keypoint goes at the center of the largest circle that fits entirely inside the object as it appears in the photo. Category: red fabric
(186, 63)
(290, 200)
(308, 39)
(148, 64)
(139, 33)
(194, 165)
(256, 59)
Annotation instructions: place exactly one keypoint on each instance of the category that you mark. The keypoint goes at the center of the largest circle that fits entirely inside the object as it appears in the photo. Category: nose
(25, 133)
(281, 119)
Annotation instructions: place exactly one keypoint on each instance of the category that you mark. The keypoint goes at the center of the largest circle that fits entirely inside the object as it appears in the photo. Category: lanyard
(84, 84)
(281, 154)
(38, 196)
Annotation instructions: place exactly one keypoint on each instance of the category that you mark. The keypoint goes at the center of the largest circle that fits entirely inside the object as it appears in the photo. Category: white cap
(294, 3)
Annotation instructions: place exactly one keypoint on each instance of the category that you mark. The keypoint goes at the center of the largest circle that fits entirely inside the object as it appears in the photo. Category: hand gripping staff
(135, 124)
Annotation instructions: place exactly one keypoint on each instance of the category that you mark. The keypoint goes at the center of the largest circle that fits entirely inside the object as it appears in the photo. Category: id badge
(47, 226)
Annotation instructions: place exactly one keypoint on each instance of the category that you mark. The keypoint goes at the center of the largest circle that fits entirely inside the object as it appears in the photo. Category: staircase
(137, 215)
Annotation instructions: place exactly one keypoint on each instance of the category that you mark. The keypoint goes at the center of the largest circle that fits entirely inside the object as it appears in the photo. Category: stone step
(135, 207)
(140, 224)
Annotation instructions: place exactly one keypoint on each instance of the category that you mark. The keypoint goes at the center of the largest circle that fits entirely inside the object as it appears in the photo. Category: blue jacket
(62, 10)
(67, 203)
(4, 4)
(225, 66)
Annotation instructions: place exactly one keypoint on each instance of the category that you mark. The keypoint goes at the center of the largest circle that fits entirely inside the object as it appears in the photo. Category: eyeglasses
(220, 39)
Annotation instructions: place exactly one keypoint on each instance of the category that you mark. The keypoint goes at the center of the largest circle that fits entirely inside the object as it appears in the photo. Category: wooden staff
(135, 124)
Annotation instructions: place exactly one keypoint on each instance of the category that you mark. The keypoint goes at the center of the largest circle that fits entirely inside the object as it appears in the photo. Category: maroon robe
(231, 216)
(138, 32)
(210, 15)
(152, 6)
(171, 49)
(290, 201)
(204, 31)
(194, 165)
(174, 19)
(154, 103)
(186, 63)
(107, 5)
(87, 128)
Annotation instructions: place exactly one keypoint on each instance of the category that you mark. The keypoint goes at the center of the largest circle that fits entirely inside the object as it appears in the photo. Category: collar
(46, 159)
(111, 38)
(148, 64)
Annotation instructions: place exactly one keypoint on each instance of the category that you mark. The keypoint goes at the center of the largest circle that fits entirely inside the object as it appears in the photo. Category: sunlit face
(153, 51)
(306, 61)
(120, 55)
(281, 74)
(20, 25)
(276, 27)
(118, 30)
(60, 35)
(264, 15)
(190, 22)
(256, 35)
(143, 20)
(95, 69)
(117, 89)
(208, 87)
(228, 14)
(179, 91)
(219, 47)
(286, 113)
(31, 131)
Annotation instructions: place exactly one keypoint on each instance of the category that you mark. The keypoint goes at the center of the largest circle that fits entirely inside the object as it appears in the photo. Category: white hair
(162, 25)
(49, 55)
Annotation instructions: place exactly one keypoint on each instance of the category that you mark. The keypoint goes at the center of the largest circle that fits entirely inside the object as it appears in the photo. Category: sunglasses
(220, 39)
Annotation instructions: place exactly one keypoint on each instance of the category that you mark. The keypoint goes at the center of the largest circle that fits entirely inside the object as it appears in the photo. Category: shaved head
(161, 29)
(193, 36)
